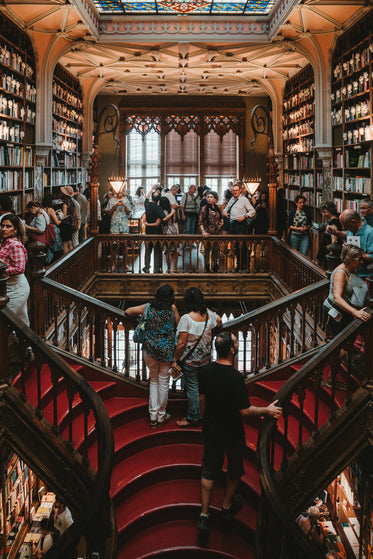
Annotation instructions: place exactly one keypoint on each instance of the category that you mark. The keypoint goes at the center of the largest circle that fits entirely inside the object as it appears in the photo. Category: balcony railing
(99, 332)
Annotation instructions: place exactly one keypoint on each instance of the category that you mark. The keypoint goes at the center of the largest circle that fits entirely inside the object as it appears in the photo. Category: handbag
(170, 228)
(176, 370)
(139, 332)
(47, 237)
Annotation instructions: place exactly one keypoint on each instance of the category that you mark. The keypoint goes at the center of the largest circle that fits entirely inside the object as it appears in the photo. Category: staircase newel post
(37, 256)
(4, 361)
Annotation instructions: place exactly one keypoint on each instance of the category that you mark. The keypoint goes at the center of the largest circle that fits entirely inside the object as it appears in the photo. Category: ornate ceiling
(182, 54)
(189, 7)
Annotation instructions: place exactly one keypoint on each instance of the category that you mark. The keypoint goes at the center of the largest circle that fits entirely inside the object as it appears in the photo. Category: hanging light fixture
(251, 185)
(116, 181)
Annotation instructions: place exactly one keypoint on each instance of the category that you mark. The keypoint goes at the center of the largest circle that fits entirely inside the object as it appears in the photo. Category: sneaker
(236, 506)
(203, 526)
(166, 418)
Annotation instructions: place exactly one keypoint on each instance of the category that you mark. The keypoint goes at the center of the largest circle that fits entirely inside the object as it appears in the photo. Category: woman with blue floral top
(162, 318)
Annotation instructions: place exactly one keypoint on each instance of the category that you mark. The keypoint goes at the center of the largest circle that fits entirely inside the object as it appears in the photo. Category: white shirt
(240, 208)
(171, 198)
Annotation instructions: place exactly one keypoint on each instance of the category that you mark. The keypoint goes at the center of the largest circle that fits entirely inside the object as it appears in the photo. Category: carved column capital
(42, 154)
(325, 154)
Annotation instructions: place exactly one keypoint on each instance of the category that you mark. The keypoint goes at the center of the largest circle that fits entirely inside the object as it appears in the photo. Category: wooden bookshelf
(302, 168)
(15, 501)
(17, 114)
(351, 114)
(65, 161)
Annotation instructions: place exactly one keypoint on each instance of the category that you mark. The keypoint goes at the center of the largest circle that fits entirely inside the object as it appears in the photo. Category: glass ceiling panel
(172, 7)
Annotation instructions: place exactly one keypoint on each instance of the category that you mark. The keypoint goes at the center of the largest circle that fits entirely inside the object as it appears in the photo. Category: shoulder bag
(176, 370)
(139, 332)
(47, 237)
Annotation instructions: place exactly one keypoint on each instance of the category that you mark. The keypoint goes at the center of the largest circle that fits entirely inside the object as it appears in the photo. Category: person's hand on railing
(273, 410)
(362, 314)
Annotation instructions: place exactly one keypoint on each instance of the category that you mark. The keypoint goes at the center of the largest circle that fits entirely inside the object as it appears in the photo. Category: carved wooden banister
(67, 385)
(108, 331)
(87, 327)
(292, 474)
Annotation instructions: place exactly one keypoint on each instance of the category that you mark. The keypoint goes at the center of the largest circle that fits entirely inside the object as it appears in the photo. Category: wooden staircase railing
(124, 254)
(56, 454)
(86, 327)
(293, 474)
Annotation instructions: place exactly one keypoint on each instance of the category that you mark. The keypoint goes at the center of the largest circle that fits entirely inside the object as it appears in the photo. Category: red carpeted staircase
(155, 480)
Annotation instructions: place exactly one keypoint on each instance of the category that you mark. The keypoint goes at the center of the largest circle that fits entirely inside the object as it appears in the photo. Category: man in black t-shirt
(224, 401)
(153, 226)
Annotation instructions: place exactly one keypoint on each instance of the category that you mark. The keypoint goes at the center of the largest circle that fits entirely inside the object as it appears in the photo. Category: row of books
(349, 183)
(346, 204)
(299, 162)
(305, 179)
(16, 156)
(10, 180)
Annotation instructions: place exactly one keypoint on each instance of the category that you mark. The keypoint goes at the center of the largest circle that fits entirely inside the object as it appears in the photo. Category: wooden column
(37, 259)
(94, 192)
(272, 186)
(325, 154)
(4, 361)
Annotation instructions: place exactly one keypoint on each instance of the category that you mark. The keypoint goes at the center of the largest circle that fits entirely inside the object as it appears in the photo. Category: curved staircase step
(171, 493)
(182, 534)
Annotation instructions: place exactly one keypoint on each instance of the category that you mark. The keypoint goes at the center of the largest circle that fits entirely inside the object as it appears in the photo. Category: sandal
(153, 423)
(183, 423)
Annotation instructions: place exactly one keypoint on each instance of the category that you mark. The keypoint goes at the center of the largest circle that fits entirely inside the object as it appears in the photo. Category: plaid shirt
(14, 255)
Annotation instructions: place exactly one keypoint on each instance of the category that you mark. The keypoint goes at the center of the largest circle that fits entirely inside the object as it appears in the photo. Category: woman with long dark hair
(162, 318)
(194, 348)
(14, 256)
(211, 223)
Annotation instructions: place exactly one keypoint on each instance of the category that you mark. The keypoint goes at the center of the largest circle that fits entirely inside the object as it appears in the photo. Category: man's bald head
(350, 220)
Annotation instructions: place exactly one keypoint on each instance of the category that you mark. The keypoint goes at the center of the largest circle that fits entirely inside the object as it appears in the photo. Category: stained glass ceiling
(185, 7)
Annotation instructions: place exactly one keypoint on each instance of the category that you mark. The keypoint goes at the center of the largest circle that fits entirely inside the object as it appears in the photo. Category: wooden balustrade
(30, 356)
(311, 379)
(75, 268)
(196, 254)
(325, 422)
(82, 325)
(282, 329)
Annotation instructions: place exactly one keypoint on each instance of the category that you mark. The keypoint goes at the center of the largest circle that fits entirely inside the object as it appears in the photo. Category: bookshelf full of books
(15, 498)
(351, 113)
(65, 162)
(17, 114)
(302, 169)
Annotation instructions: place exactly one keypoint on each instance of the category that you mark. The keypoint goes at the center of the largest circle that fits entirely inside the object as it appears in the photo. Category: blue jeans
(191, 388)
(190, 223)
(300, 242)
